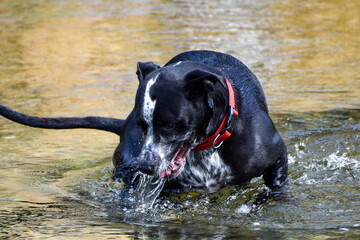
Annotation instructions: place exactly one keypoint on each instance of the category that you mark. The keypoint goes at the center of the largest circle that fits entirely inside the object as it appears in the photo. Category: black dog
(201, 122)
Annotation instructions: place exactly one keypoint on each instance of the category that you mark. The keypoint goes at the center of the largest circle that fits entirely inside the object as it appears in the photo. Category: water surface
(78, 58)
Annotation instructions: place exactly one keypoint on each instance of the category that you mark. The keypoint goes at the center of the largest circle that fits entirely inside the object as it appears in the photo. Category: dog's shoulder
(241, 77)
(207, 57)
(230, 66)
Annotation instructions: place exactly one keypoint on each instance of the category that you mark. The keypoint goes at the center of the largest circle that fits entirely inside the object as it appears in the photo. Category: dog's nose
(147, 168)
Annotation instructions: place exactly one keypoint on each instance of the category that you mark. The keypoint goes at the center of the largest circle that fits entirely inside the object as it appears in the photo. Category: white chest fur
(205, 169)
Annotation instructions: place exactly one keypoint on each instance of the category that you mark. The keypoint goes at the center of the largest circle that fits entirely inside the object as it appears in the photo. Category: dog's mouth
(176, 165)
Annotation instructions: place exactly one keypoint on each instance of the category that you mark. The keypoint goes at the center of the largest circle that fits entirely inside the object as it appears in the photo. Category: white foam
(243, 209)
(334, 162)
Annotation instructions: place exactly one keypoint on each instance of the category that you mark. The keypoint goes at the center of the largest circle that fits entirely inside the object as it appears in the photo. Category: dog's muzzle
(151, 163)
(177, 163)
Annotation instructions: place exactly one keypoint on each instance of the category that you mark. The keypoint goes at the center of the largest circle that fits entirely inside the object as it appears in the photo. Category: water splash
(147, 190)
(335, 162)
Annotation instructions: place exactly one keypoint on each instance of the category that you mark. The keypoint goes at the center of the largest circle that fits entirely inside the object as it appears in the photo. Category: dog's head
(176, 109)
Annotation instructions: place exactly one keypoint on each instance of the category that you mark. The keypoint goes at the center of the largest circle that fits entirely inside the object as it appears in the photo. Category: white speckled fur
(148, 111)
(149, 104)
(205, 169)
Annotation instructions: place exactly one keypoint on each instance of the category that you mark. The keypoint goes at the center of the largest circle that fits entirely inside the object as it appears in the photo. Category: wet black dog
(201, 122)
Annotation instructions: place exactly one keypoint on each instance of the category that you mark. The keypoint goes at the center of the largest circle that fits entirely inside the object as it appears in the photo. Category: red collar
(222, 133)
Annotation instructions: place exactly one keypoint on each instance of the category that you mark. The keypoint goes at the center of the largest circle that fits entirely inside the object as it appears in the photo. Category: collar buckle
(229, 118)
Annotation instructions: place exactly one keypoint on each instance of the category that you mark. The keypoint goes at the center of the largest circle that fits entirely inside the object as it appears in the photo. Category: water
(77, 58)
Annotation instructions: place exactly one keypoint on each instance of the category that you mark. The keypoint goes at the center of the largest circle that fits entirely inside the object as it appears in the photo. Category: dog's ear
(145, 68)
(199, 83)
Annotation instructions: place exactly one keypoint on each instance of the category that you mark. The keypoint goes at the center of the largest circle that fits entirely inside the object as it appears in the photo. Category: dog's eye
(168, 126)
(142, 125)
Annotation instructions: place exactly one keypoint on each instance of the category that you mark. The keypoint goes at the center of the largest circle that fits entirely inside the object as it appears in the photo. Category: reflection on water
(319, 46)
(76, 58)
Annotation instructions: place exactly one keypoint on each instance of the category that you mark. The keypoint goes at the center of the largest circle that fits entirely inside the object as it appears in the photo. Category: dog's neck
(221, 133)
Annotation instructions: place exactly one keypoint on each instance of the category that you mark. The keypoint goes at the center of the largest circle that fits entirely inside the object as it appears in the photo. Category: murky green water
(77, 58)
